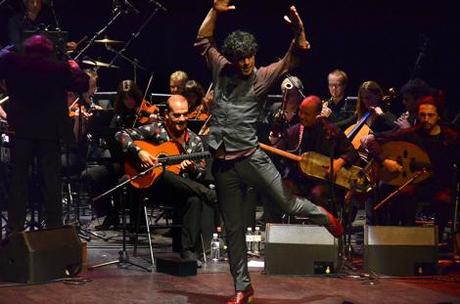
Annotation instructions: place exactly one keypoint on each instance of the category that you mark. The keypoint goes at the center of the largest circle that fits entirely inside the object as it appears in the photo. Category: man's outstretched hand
(223, 5)
(294, 20)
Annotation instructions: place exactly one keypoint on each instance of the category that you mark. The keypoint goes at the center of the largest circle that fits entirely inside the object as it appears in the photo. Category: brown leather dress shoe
(243, 297)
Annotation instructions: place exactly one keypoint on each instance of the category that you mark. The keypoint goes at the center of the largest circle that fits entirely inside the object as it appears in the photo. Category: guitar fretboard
(178, 158)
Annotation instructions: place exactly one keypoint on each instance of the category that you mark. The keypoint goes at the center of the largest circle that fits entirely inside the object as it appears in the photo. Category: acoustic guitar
(316, 165)
(169, 154)
(411, 157)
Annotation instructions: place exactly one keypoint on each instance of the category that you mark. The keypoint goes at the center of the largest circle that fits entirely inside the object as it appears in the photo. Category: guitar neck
(179, 158)
(279, 152)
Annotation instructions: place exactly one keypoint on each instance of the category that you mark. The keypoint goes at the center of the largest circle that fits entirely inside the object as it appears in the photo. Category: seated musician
(184, 190)
(130, 107)
(285, 114)
(197, 100)
(177, 81)
(371, 100)
(411, 92)
(313, 133)
(338, 109)
(441, 143)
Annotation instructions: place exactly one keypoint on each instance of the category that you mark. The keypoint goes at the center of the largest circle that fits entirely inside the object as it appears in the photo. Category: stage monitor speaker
(299, 250)
(41, 255)
(400, 251)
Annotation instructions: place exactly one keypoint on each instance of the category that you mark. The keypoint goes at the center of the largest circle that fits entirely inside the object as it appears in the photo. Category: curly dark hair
(238, 45)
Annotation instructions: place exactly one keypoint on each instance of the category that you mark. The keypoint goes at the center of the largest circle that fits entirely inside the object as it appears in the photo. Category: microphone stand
(134, 35)
(123, 254)
(100, 32)
(134, 62)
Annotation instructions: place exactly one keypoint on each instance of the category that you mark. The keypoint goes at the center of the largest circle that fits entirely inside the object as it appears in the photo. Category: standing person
(38, 116)
(338, 108)
(240, 90)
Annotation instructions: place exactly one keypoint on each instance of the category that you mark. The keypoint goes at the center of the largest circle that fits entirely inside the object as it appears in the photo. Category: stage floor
(213, 283)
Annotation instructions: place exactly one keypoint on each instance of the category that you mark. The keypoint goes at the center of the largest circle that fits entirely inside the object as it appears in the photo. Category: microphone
(159, 5)
(125, 6)
(130, 8)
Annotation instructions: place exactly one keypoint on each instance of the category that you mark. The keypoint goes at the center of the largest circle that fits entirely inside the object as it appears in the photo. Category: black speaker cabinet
(400, 251)
(299, 250)
(41, 255)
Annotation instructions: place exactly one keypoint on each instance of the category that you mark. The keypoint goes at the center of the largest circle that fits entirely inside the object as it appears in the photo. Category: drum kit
(99, 64)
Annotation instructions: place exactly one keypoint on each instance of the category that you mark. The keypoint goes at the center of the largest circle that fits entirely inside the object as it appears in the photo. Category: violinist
(177, 82)
(130, 107)
(83, 103)
(338, 109)
(196, 98)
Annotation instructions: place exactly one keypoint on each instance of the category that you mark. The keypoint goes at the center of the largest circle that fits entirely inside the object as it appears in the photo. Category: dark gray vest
(235, 112)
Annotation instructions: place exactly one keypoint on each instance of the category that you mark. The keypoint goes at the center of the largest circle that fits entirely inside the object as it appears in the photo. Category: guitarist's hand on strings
(146, 159)
(187, 165)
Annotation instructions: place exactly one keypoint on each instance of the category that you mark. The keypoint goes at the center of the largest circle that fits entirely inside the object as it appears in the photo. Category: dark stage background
(370, 40)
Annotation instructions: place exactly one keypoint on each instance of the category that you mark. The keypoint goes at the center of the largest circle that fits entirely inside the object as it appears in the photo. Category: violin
(199, 114)
(145, 112)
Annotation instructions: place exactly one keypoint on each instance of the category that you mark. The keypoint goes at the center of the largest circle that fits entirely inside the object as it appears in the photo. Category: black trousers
(258, 171)
(48, 154)
(187, 197)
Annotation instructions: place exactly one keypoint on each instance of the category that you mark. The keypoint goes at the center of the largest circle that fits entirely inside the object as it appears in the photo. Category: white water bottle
(215, 248)
(249, 239)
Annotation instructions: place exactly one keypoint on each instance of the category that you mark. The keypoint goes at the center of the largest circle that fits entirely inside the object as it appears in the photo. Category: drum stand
(123, 259)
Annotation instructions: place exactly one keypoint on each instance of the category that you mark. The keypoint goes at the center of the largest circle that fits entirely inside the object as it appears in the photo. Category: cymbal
(107, 40)
(100, 64)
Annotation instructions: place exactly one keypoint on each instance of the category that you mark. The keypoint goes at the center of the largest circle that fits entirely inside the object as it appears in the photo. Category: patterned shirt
(157, 133)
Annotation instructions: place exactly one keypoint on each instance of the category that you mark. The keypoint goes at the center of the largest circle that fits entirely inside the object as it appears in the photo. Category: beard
(177, 129)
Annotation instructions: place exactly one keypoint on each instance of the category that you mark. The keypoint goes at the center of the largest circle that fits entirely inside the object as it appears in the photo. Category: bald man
(184, 191)
(317, 135)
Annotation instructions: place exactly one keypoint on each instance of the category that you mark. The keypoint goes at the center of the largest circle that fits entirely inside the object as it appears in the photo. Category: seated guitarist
(313, 133)
(441, 143)
(184, 190)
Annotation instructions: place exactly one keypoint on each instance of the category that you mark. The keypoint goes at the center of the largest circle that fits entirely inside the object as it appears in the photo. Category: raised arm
(209, 23)
(297, 27)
